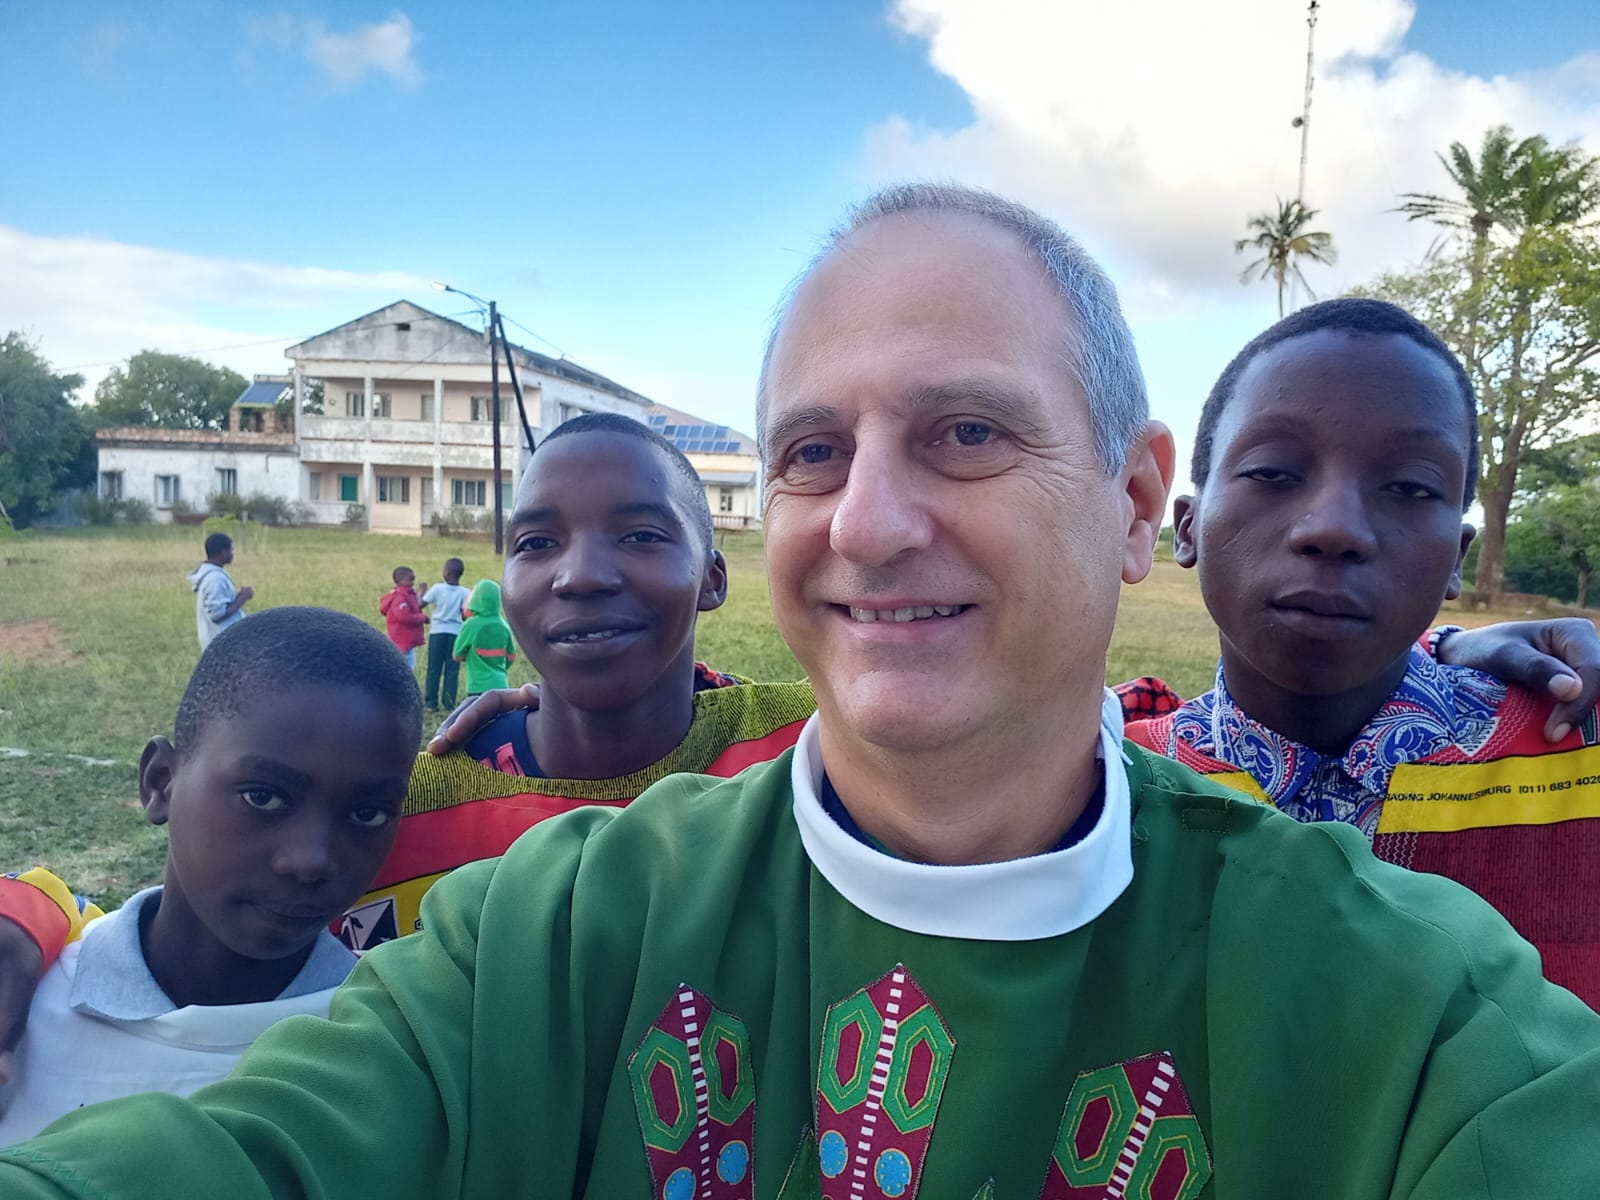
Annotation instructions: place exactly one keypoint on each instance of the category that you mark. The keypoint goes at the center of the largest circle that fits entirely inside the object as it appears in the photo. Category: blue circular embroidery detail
(832, 1154)
(893, 1173)
(733, 1162)
(679, 1185)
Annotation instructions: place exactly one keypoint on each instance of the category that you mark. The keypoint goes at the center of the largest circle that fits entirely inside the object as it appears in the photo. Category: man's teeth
(596, 636)
(921, 613)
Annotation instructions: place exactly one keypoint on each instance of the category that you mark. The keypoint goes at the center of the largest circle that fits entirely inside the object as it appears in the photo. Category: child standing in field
(485, 642)
(281, 791)
(401, 608)
(447, 600)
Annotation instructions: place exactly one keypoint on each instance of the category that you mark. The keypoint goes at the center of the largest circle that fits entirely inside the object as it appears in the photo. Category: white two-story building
(405, 430)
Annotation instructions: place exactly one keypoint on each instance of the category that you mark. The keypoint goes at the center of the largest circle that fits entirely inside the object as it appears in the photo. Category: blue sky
(636, 182)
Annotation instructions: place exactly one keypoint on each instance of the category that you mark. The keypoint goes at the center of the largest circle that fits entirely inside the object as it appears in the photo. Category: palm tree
(1284, 241)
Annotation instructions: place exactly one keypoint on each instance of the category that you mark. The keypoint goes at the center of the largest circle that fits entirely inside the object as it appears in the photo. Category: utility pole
(1303, 121)
(494, 402)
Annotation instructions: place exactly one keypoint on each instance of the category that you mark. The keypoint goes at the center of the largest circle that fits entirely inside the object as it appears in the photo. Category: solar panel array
(701, 439)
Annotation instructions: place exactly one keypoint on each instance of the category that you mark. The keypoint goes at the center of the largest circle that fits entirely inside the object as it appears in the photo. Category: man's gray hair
(1099, 351)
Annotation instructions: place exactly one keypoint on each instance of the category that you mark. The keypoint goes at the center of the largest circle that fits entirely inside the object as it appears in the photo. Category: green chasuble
(678, 1000)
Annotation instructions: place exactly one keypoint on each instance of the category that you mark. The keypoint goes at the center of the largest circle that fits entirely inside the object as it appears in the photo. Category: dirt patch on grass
(32, 642)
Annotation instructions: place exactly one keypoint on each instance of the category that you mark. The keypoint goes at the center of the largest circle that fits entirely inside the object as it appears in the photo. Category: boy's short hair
(284, 647)
(399, 571)
(454, 566)
(216, 543)
(694, 489)
(1356, 315)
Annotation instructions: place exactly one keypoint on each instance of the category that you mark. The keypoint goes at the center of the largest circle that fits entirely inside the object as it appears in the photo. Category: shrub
(227, 504)
(458, 519)
(355, 515)
(97, 510)
(182, 508)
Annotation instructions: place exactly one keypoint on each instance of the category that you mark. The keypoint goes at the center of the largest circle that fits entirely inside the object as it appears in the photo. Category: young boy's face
(405, 578)
(279, 817)
(450, 573)
(1330, 527)
(606, 571)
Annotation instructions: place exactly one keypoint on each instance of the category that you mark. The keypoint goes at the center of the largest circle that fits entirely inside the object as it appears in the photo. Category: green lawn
(97, 640)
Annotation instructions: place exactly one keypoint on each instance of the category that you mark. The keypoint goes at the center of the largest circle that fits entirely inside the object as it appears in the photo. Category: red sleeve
(1145, 698)
(38, 914)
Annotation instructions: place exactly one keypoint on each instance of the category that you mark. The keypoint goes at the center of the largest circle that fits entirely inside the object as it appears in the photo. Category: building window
(468, 493)
(481, 406)
(166, 491)
(349, 488)
(380, 404)
(111, 485)
(355, 404)
(725, 499)
(314, 485)
(426, 408)
(394, 489)
(228, 480)
(567, 411)
(252, 421)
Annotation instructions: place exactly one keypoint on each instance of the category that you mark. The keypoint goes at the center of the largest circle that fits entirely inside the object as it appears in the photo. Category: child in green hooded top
(485, 643)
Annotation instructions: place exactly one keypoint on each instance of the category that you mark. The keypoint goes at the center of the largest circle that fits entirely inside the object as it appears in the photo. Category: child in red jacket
(403, 611)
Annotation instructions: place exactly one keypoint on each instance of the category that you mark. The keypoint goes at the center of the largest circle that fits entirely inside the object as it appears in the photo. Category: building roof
(407, 332)
(694, 435)
(263, 393)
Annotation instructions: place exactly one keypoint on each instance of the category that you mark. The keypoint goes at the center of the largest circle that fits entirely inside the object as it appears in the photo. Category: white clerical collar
(1015, 901)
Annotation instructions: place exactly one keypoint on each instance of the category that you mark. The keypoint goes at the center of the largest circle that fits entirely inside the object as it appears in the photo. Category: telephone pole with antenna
(1303, 121)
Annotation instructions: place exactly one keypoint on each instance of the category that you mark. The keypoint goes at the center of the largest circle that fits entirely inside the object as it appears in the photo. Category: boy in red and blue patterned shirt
(1335, 457)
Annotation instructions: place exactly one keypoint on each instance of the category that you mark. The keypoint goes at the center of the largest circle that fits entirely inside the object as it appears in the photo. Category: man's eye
(262, 799)
(643, 535)
(1414, 491)
(973, 433)
(534, 542)
(1266, 475)
(371, 816)
(814, 453)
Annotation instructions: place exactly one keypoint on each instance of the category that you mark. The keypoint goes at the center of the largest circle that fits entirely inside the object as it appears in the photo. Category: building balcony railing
(389, 429)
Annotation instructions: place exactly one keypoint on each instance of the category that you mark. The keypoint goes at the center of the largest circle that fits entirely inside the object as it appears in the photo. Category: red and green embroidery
(885, 1057)
(695, 1092)
(1128, 1130)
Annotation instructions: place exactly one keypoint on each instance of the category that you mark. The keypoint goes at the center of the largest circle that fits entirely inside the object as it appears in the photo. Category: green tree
(1559, 533)
(169, 391)
(44, 444)
(1284, 242)
(1512, 187)
(1529, 335)
(1519, 301)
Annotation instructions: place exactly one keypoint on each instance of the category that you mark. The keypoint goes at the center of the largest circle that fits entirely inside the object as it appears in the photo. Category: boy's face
(1330, 527)
(406, 578)
(450, 573)
(280, 816)
(605, 571)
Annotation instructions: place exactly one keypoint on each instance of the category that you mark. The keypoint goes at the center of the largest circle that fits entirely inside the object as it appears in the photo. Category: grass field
(97, 640)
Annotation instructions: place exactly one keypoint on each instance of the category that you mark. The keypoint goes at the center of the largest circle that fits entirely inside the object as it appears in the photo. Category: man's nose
(883, 509)
(587, 565)
(1335, 524)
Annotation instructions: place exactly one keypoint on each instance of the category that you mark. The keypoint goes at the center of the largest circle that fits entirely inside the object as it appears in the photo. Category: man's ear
(158, 767)
(1184, 510)
(1453, 588)
(1147, 478)
(714, 587)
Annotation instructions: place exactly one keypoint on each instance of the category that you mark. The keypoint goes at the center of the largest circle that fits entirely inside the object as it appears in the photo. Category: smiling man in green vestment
(963, 941)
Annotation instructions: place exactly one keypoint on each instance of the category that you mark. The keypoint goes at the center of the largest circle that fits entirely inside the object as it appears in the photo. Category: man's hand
(1561, 657)
(21, 967)
(246, 594)
(473, 713)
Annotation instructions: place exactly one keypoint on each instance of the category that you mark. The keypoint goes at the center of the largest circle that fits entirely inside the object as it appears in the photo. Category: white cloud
(381, 48)
(345, 58)
(91, 302)
(1153, 129)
